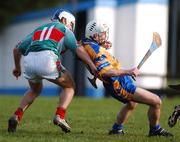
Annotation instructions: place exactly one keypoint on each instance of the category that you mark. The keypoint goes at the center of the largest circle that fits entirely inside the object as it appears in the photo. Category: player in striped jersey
(42, 50)
(118, 82)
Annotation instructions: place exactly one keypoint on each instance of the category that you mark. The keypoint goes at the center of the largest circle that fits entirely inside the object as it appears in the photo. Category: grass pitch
(90, 121)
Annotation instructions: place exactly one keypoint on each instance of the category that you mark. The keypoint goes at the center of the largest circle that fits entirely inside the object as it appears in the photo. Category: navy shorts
(120, 87)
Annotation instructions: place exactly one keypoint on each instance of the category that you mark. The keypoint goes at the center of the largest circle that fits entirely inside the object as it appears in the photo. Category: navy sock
(117, 126)
(154, 128)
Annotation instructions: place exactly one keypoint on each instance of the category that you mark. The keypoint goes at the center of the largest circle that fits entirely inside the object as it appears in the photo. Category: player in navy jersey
(42, 50)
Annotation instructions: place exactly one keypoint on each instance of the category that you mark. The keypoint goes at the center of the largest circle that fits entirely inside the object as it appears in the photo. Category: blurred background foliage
(11, 8)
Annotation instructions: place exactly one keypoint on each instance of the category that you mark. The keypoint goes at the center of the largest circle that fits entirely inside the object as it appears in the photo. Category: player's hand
(93, 70)
(17, 72)
(107, 45)
(134, 72)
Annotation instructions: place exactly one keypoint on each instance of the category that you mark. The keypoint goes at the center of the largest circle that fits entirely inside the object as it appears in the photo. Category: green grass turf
(90, 121)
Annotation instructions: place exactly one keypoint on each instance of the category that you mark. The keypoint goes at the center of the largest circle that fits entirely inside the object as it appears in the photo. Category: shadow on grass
(25, 134)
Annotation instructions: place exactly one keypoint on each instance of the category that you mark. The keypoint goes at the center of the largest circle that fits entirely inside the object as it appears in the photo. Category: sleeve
(24, 44)
(70, 41)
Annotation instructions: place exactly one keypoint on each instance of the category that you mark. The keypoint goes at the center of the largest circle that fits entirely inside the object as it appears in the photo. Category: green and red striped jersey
(53, 36)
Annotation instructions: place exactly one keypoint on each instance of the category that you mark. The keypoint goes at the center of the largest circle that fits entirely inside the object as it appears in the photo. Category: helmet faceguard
(98, 31)
(65, 16)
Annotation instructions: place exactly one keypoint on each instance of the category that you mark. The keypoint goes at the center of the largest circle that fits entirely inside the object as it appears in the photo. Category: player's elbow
(79, 51)
(109, 74)
(16, 51)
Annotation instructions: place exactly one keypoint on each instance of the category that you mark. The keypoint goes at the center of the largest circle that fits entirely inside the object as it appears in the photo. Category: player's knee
(73, 85)
(157, 101)
(70, 85)
(35, 88)
(35, 93)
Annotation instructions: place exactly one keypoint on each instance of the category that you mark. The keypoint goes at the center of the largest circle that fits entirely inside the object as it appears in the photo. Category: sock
(61, 112)
(19, 112)
(154, 128)
(117, 126)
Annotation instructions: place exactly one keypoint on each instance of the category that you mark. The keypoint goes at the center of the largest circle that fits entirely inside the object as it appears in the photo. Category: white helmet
(61, 13)
(96, 27)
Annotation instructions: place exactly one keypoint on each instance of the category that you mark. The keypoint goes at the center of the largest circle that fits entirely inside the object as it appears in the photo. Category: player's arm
(71, 43)
(83, 55)
(115, 72)
(17, 58)
(18, 51)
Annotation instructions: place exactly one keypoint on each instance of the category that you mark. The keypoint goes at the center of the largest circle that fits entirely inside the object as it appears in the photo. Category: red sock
(19, 112)
(61, 112)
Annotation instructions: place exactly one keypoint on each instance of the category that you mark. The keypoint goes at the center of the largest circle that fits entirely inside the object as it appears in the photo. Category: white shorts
(41, 65)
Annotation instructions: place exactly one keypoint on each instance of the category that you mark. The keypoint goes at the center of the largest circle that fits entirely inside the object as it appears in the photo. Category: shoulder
(26, 41)
(70, 40)
(91, 44)
(69, 33)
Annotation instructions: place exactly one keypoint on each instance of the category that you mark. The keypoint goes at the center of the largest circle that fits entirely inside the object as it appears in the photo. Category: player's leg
(174, 117)
(122, 117)
(114, 87)
(31, 94)
(146, 97)
(67, 93)
(154, 102)
(27, 100)
(125, 112)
